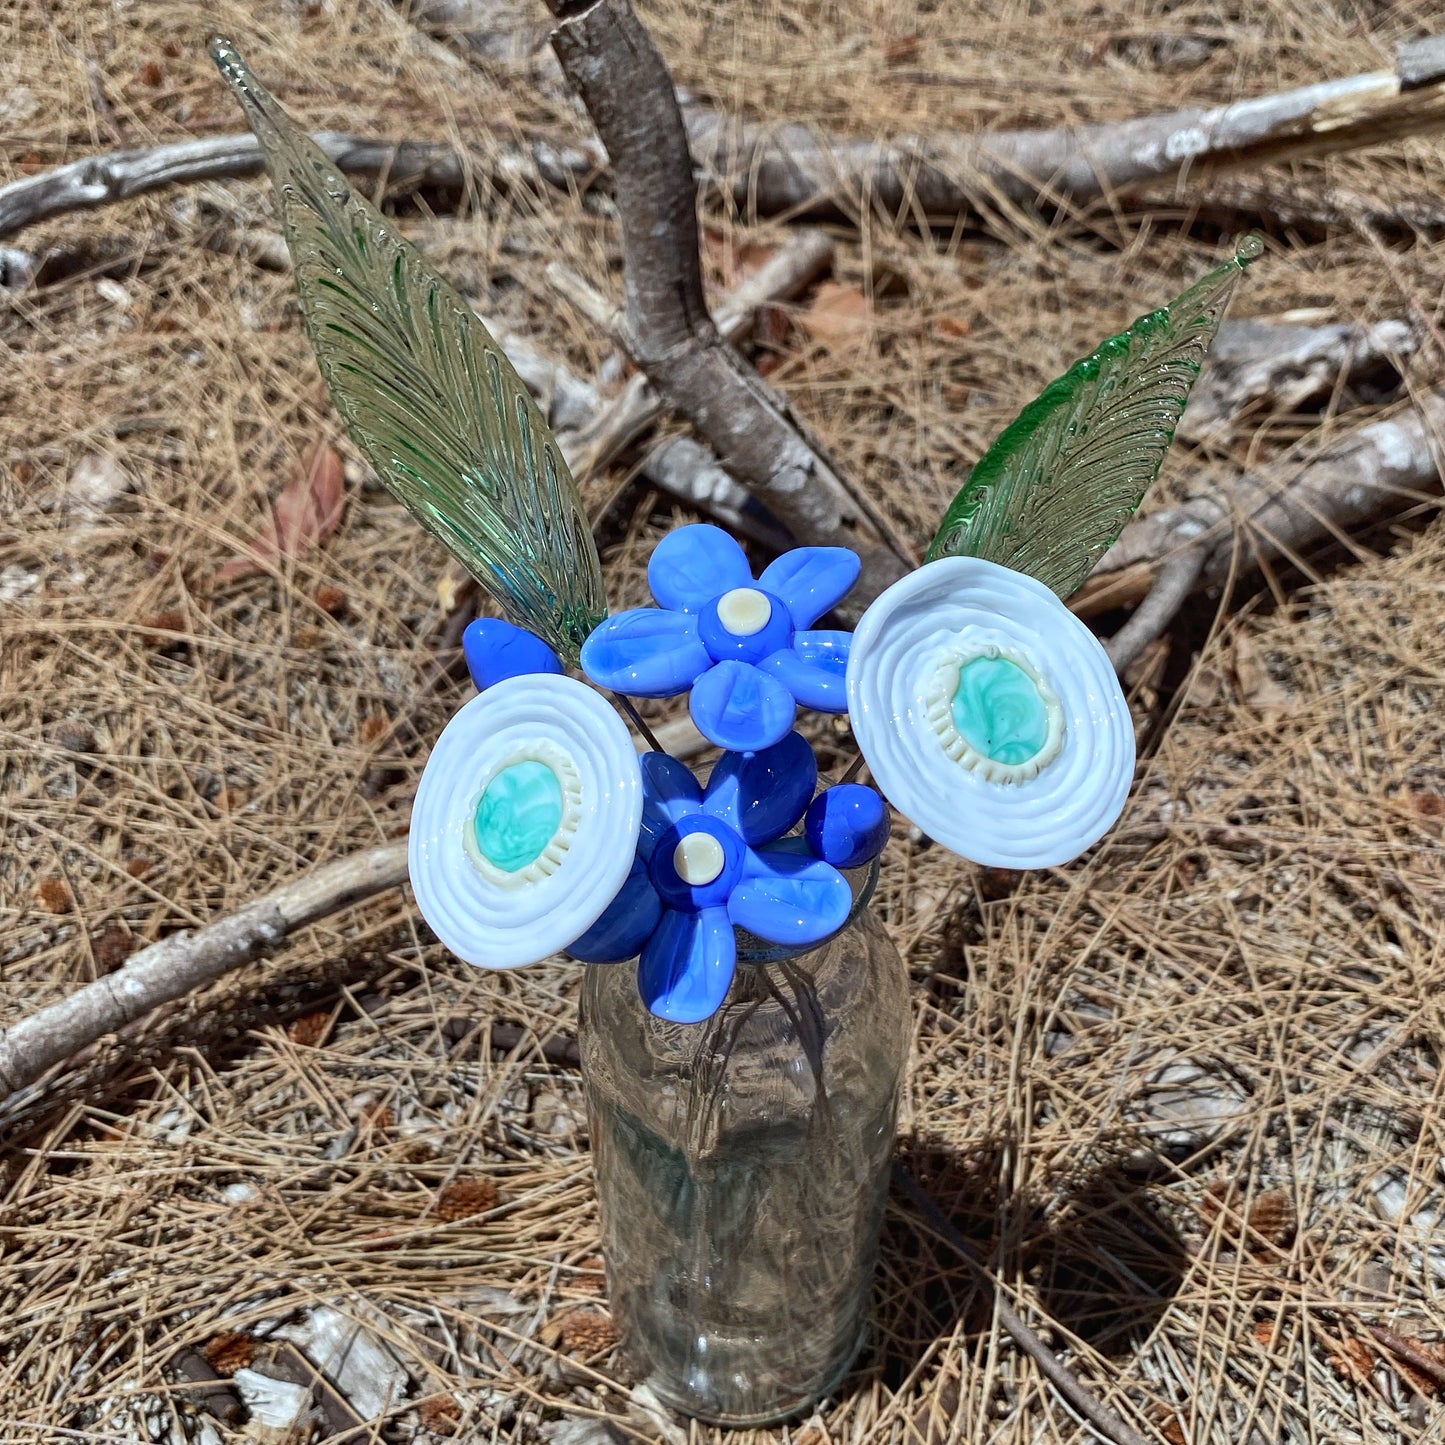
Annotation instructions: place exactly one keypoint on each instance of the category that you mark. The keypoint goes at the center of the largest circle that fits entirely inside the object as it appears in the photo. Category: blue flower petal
(790, 897)
(496, 650)
(814, 669)
(692, 565)
(626, 923)
(687, 965)
(761, 795)
(847, 825)
(645, 652)
(738, 707)
(669, 794)
(811, 580)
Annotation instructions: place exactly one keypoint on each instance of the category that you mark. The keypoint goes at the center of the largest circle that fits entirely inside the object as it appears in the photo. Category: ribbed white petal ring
(496, 922)
(964, 606)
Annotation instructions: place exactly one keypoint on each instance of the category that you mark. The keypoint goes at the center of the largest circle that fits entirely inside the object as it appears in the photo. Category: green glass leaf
(425, 392)
(1050, 496)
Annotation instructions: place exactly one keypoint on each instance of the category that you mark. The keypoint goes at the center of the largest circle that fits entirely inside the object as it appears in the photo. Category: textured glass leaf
(425, 391)
(1056, 488)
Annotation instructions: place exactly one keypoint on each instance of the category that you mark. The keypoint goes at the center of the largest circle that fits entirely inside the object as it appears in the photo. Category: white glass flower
(989, 714)
(526, 820)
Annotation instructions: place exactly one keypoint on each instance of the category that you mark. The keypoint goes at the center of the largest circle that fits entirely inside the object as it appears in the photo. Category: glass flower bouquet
(744, 1018)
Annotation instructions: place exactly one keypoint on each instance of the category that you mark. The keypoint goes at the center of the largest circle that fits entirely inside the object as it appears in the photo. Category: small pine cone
(54, 895)
(441, 1414)
(230, 1352)
(1356, 1360)
(1272, 1217)
(587, 1332)
(463, 1198)
(309, 1029)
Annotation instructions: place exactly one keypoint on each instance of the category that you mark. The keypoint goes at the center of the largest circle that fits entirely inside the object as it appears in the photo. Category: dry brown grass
(1261, 937)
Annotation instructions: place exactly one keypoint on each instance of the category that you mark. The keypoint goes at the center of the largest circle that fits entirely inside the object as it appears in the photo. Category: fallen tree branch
(176, 965)
(101, 180)
(1282, 365)
(611, 61)
(1267, 516)
(796, 169)
(1105, 1420)
(1159, 608)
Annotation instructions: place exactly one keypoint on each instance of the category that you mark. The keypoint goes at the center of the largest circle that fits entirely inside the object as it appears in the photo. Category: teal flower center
(518, 815)
(999, 710)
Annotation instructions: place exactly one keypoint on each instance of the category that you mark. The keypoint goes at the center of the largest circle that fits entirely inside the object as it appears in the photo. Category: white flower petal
(962, 607)
(483, 913)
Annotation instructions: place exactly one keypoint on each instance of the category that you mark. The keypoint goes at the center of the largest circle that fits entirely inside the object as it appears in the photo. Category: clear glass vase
(742, 1167)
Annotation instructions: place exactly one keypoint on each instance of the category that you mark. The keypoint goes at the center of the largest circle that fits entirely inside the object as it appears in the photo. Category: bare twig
(1408, 1351)
(1153, 615)
(1105, 1420)
(101, 180)
(791, 169)
(613, 64)
(176, 965)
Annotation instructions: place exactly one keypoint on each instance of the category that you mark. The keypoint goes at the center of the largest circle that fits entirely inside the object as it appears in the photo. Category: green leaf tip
(425, 391)
(1051, 495)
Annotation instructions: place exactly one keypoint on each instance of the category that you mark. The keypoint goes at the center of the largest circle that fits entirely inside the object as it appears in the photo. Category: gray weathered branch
(1284, 364)
(177, 965)
(794, 168)
(112, 176)
(611, 61)
(1268, 515)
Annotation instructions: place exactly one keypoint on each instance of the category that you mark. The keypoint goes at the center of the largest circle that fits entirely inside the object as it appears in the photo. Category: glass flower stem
(853, 769)
(630, 709)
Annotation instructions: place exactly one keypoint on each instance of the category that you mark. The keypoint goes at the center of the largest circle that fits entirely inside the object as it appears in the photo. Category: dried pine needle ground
(1184, 1093)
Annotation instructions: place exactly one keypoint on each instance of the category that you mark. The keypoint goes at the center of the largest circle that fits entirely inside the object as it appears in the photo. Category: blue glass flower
(745, 648)
(711, 859)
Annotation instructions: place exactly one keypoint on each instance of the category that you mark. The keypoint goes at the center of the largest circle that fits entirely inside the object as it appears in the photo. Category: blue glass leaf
(790, 897)
(669, 794)
(496, 650)
(814, 669)
(626, 923)
(847, 825)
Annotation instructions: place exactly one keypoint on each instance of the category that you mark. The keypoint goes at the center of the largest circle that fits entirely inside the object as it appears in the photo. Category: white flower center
(744, 611)
(698, 859)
